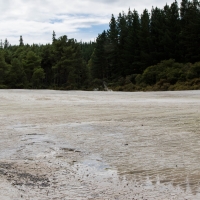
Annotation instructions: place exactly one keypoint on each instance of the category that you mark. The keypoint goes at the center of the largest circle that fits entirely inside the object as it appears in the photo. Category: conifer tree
(123, 32)
(112, 47)
(189, 36)
(145, 40)
(53, 37)
(6, 44)
(30, 64)
(131, 53)
(47, 60)
(4, 68)
(99, 59)
(157, 34)
(174, 28)
(1, 44)
(21, 43)
(16, 76)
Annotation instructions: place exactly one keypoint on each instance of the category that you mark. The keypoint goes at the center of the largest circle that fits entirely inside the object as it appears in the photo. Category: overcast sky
(35, 20)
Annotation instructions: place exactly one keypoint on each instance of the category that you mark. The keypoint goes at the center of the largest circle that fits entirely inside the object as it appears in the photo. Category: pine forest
(156, 50)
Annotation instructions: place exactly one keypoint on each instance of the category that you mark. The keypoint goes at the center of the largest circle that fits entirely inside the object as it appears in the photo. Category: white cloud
(33, 19)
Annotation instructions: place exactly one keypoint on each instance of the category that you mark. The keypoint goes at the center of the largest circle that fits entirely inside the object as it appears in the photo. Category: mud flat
(99, 145)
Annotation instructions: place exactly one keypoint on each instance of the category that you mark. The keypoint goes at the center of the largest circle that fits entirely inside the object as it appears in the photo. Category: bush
(3, 86)
(96, 83)
(138, 79)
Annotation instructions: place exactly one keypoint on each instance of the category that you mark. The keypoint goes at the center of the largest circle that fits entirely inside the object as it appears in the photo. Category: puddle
(22, 126)
(96, 162)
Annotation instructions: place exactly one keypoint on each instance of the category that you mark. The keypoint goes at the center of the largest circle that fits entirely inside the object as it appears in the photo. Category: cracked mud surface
(99, 145)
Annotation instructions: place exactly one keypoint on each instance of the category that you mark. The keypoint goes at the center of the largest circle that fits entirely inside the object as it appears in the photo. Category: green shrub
(3, 86)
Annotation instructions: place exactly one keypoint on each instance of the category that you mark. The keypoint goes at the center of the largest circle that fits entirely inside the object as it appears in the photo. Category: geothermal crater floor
(99, 145)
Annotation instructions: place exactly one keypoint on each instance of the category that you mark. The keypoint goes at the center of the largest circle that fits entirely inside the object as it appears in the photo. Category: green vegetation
(152, 51)
(166, 75)
(59, 65)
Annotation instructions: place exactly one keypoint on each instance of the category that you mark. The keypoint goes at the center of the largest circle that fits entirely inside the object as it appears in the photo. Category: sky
(83, 20)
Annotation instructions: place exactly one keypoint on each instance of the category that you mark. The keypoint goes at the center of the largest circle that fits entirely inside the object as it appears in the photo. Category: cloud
(36, 20)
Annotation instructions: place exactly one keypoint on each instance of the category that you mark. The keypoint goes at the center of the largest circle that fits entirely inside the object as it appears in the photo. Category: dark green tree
(16, 75)
(189, 35)
(21, 43)
(131, 54)
(171, 28)
(37, 77)
(145, 40)
(123, 33)
(30, 64)
(111, 47)
(69, 69)
(157, 30)
(99, 68)
(53, 37)
(6, 44)
(47, 61)
(1, 44)
(87, 49)
(4, 69)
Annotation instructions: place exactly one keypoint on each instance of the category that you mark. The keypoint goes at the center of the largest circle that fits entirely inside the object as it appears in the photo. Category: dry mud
(99, 145)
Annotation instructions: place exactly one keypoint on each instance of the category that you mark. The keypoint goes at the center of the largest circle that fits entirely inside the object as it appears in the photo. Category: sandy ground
(99, 145)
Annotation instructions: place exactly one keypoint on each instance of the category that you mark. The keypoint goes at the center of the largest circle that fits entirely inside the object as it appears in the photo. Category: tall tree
(157, 34)
(190, 38)
(145, 40)
(100, 65)
(1, 44)
(131, 54)
(171, 28)
(174, 27)
(69, 69)
(112, 48)
(16, 76)
(30, 64)
(6, 44)
(47, 61)
(4, 69)
(21, 43)
(53, 37)
(123, 33)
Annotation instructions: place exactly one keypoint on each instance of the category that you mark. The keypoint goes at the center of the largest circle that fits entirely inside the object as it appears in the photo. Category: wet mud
(99, 145)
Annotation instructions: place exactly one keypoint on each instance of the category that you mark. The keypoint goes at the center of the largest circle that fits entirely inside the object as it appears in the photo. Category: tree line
(59, 65)
(159, 50)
